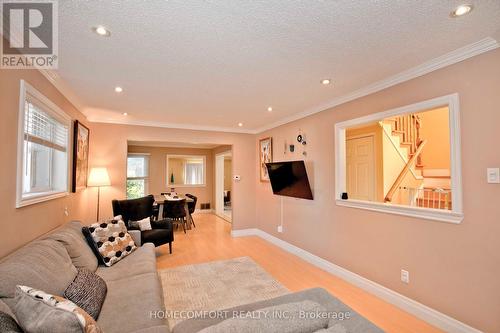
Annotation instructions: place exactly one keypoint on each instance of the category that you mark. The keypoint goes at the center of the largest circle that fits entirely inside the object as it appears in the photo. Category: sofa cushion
(88, 291)
(131, 304)
(142, 260)
(72, 237)
(112, 240)
(42, 264)
(271, 319)
(8, 324)
(39, 312)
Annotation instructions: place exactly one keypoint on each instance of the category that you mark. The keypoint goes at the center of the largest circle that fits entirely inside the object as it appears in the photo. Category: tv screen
(289, 179)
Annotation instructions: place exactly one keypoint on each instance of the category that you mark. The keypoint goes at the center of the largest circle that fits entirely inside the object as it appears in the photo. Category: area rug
(217, 285)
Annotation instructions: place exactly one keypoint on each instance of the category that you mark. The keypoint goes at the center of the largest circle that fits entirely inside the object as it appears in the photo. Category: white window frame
(188, 185)
(146, 179)
(456, 214)
(53, 110)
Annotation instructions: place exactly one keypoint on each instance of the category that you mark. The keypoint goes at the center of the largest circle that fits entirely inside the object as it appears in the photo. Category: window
(137, 175)
(43, 143)
(185, 170)
(404, 161)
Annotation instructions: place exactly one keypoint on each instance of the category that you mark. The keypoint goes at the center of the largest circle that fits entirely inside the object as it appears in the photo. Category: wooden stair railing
(405, 170)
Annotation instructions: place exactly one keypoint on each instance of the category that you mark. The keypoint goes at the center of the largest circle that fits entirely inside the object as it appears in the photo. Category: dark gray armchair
(138, 209)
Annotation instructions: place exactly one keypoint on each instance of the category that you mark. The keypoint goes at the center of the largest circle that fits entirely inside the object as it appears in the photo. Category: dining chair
(175, 211)
(192, 206)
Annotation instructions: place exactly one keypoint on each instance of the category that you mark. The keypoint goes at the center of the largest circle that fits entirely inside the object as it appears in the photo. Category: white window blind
(43, 129)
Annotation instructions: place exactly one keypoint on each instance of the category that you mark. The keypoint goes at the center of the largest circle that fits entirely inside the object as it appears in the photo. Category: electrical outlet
(280, 228)
(405, 276)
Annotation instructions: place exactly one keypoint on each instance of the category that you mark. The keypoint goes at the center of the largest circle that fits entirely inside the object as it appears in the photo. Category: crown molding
(171, 125)
(453, 57)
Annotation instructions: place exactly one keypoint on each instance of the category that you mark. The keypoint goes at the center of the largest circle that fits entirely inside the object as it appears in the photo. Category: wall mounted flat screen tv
(290, 179)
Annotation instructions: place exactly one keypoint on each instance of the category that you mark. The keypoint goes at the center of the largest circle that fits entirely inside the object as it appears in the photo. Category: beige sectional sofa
(50, 264)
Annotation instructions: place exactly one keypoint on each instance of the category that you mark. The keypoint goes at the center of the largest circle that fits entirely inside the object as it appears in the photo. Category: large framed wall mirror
(404, 161)
(186, 170)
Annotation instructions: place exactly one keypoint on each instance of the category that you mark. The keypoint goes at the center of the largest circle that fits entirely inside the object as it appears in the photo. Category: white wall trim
(419, 310)
(456, 214)
(453, 57)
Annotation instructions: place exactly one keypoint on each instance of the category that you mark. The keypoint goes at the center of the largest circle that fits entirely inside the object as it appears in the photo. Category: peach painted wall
(21, 225)
(454, 268)
(110, 150)
(435, 129)
(158, 171)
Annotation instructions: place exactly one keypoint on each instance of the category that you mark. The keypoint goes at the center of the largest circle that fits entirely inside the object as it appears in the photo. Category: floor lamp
(98, 178)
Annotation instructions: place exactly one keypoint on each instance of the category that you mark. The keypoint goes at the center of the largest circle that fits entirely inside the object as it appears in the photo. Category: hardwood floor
(211, 240)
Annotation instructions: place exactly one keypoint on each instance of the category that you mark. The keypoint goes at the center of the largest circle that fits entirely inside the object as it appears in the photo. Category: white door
(360, 168)
(219, 185)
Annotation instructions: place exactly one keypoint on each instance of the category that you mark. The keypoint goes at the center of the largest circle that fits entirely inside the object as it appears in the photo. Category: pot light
(118, 89)
(101, 31)
(269, 109)
(461, 10)
(125, 113)
(240, 124)
(325, 81)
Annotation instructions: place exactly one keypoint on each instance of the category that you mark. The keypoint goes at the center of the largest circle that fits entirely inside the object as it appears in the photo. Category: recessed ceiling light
(269, 109)
(125, 113)
(325, 81)
(118, 89)
(240, 124)
(461, 10)
(101, 31)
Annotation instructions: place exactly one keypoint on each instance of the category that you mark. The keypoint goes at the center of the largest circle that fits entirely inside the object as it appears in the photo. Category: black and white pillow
(110, 240)
(88, 291)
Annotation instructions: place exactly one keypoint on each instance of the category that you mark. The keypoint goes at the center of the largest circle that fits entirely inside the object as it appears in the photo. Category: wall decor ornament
(265, 156)
(80, 173)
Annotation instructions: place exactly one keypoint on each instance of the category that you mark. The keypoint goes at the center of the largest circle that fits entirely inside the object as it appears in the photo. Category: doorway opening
(223, 185)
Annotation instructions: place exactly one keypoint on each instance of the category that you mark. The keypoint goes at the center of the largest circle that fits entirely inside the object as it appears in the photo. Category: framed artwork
(266, 156)
(80, 156)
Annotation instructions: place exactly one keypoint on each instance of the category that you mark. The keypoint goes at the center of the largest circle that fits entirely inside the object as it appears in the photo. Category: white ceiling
(213, 64)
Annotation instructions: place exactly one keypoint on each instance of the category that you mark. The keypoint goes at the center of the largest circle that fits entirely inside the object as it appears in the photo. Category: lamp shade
(98, 177)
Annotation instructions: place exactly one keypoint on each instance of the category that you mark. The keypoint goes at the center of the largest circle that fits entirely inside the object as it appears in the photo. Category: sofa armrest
(136, 236)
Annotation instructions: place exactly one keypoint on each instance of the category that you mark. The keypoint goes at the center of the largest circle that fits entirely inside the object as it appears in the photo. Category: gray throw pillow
(88, 291)
(39, 312)
(8, 324)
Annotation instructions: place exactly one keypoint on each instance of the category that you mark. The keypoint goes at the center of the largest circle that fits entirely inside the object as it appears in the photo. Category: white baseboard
(419, 310)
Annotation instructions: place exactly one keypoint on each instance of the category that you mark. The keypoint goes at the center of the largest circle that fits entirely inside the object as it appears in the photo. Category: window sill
(423, 213)
(40, 197)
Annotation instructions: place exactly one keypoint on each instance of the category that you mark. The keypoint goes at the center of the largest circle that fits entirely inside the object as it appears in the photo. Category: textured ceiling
(218, 63)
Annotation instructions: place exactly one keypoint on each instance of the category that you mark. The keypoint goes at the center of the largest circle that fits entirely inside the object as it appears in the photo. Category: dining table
(160, 201)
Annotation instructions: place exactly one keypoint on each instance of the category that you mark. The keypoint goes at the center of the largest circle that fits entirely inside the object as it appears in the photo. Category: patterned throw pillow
(8, 324)
(39, 312)
(88, 291)
(112, 240)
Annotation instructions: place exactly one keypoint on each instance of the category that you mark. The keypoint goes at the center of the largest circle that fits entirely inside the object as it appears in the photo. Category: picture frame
(81, 136)
(265, 156)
